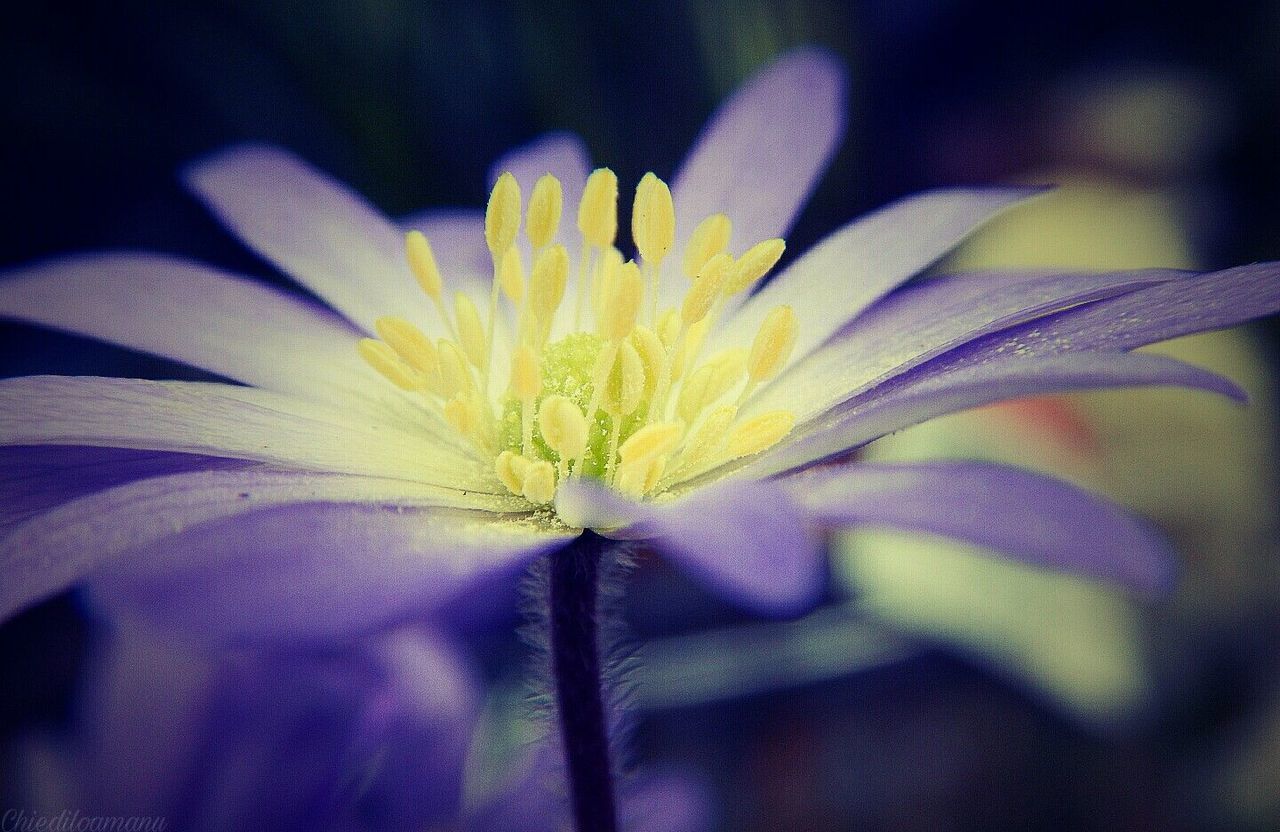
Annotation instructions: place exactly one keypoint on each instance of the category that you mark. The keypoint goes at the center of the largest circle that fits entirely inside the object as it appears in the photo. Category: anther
(540, 482)
(471, 331)
(709, 239)
(598, 210)
(760, 433)
(526, 375)
(510, 468)
(502, 216)
(410, 343)
(772, 346)
(706, 289)
(545, 205)
(754, 264)
(546, 284)
(653, 219)
(709, 382)
(652, 355)
(511, 275)
(650, 442)
(563, 427)
(620, 301)
(454, 375)
(621, 382)
(422, 262)
(384, 359)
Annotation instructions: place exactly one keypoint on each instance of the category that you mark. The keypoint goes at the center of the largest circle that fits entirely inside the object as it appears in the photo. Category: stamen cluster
(629, 399)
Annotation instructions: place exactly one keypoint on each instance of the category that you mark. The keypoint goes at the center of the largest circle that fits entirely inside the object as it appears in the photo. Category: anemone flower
(397, 444)
(372, 735)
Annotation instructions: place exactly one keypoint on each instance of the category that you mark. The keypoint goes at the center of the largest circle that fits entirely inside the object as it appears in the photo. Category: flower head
(480, 385)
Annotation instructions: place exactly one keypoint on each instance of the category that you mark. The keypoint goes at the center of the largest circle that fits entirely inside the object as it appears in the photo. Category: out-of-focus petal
(760, 155)
(317, 571)
(921, 395)
(921, 322)
(865, 260)
(372, 734)
(35, 478)
(1032, 517)
(313, 229)
(54, 550)
(227, 421)
(745, 540)
(194, 314)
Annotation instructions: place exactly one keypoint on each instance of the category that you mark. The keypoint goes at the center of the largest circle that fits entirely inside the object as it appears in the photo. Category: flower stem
(575, 657)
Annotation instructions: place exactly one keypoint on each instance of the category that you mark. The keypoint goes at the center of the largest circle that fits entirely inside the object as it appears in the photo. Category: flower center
(629, 398)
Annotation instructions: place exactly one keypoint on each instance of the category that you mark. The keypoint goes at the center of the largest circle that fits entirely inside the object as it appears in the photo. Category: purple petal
(744, 540)
(60, 547)
(667, 801)
(193, 314)
(1039, 519)
(34, 479)
(317, 571)
(1198, 304)
(843, 275)
(921, 322)
(921, 395)
(313, 229)
(226, 421)
(394, 713)
(761, 154)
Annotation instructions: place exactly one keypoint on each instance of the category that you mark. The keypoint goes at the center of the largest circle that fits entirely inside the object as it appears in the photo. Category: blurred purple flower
(370, 736)
(318, 500)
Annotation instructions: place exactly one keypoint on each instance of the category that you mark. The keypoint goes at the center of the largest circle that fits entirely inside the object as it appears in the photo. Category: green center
(566, 371)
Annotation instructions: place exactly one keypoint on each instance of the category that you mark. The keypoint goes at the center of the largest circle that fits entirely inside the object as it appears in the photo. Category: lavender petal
(744, 540)
(55, 549)
(317, 231)
(227, 421)
(311, 572)
(194, 314)
(761, 154)
(917, 397)
(920, 322)
(1032, 517)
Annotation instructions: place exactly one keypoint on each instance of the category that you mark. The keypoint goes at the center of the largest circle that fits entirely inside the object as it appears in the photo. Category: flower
(342, 487)
(369, 736)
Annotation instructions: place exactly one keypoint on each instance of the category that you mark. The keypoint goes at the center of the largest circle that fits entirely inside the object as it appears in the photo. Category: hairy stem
(575, 657)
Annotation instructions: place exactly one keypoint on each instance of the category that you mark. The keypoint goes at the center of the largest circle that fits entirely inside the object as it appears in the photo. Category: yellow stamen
(706, 289)
(545, 205)
(620, 299)
(754, 264)
(772, 346)
(384, 359)
(410, 343)
(502, 216)
(540, 483)
(454, 375)
(546, 285)
(598, 211)
(564, 428)
(511, 275)
(470, 331)
(760, 433)
(650, 442)
(422, 262)
(709, 382)
(709, 239)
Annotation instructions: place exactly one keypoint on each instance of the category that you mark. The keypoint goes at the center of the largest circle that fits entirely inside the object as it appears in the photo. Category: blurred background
(937, 689)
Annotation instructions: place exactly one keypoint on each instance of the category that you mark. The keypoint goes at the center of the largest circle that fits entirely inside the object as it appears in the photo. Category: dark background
(100, 104)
